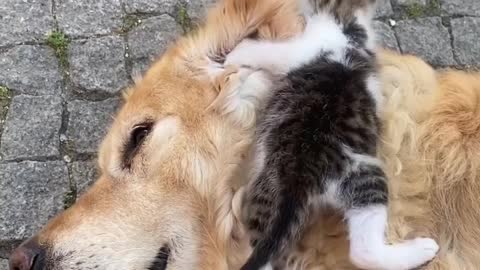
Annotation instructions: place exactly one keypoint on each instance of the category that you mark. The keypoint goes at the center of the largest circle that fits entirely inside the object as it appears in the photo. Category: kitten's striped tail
(284, 231)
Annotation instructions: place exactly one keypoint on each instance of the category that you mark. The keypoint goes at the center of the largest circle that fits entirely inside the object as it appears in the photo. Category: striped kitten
(317, 140)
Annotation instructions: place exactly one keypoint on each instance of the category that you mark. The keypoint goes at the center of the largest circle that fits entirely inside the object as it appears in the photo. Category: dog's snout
(28, 256)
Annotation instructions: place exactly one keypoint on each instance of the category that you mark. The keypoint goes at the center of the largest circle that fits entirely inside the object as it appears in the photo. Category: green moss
(4, 93)
(417, 10)
(59, 42)
(184, 19)
(69, 199)
(5, 97)
(414, 10)
(434, 7)
(129, 22)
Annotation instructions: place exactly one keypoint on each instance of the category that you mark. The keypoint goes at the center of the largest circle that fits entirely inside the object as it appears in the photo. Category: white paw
(243, 54)
(403, 256)
(213, 69)
(420, 250)
(267, 267)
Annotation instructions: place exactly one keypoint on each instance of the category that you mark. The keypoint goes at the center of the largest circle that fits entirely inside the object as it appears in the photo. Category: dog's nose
(28, 256)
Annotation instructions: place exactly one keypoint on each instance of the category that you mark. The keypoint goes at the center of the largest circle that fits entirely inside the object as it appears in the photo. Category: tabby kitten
(317, 140)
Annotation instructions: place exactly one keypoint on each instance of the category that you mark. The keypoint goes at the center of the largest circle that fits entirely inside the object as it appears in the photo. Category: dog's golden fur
(181, 181)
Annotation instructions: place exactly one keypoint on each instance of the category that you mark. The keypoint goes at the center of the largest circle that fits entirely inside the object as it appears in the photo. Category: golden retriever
(175, 155)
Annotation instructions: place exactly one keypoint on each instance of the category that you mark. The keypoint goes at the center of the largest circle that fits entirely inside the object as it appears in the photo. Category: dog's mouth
(161, 260)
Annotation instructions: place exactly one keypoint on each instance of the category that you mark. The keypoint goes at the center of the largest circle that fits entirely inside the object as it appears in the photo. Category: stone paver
(24, 21)
(385, 35)
(84, 173)
(32, 192)
(150, 39)
(150, 6)
(89, 17)
(461, 7)
(3, 264)
(197, 9)
(384, 9)
(31, 70)
(98, 64)
(466, 40)
(427, 38)
(410, 2)
(32, 127)
(88, 122)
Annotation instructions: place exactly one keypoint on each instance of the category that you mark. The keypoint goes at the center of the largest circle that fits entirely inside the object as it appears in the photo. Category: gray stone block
(89, 17)
(98, 64)
(88, 123)
(150, 39)
(410, 2)
(32, 127)
(32, 70)
(197, 9)
(461, 7)
(24, 21)
(427, 38)
(3, 264)
(32, 193)
(150, 6)
(83, 173)
(385, 36)
(466, 40)
(384, 9)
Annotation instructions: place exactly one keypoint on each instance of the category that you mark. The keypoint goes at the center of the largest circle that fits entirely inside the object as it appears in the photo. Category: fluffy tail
(284, 230)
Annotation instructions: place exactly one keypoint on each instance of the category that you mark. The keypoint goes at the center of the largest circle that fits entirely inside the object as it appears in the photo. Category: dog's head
(168, 164)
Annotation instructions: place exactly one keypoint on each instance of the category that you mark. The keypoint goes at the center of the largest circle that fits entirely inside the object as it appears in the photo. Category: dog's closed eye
(138, 135)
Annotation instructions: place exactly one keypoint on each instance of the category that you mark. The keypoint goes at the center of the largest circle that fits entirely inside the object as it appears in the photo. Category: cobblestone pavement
(63, 64)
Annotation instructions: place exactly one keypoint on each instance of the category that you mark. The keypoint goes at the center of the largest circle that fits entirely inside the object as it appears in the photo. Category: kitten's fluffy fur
(317, 140)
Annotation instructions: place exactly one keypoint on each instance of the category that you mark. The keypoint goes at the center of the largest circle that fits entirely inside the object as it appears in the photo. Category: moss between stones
(58, 41)
(129, 22)
(416, 10)
(69, 199)
(5, 97)
(4, 93)
(184, 19)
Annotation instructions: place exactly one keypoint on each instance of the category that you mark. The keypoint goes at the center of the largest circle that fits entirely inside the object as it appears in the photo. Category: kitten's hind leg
(367, 222)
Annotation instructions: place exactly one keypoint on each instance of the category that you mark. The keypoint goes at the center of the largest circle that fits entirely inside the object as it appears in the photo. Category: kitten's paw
(245, 54)
(267, 267)
(403, 256)
(411, 254)
(213, 69)
(420, 250)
